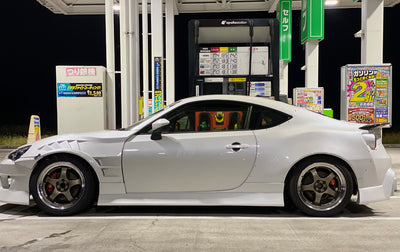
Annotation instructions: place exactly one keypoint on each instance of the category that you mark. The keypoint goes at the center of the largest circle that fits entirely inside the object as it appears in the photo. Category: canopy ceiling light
(331, 2)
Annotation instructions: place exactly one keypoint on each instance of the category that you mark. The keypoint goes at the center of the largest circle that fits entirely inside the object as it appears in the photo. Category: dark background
(35, 40)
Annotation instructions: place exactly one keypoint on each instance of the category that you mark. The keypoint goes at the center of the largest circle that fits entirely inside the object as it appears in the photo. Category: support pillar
(157, 41)
(137, 62)
(283, 78)
(372, 32)
(145, 58)
(125, 73)
(133, 54)
(311, 71)
(170, 51)
(110, 65)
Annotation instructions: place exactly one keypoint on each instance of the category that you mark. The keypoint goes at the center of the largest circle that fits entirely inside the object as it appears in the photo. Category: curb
(8, 147)
(392, 145)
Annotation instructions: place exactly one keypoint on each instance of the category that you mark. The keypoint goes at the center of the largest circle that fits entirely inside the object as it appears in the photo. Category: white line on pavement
(16, 218)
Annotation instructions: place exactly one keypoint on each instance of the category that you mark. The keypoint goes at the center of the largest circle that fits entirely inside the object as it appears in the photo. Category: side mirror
(157, 127)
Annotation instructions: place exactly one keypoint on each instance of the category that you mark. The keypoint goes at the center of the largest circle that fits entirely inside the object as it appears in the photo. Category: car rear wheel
(321, 187)
(63, 186)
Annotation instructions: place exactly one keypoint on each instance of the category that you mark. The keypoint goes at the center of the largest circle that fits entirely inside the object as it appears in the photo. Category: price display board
(366, 94)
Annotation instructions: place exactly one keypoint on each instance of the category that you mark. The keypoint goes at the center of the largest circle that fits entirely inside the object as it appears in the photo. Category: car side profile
(217, 150)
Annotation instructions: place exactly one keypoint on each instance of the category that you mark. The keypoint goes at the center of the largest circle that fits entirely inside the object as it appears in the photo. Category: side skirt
(193, 199)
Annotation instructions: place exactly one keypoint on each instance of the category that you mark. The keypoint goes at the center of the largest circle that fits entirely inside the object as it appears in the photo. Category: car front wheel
(62, 186)
(321, 187)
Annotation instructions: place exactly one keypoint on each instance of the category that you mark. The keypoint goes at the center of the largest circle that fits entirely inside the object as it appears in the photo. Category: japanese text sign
(285, 26)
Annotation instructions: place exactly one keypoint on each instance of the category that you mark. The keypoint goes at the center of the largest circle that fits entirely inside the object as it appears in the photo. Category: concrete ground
(372, 227)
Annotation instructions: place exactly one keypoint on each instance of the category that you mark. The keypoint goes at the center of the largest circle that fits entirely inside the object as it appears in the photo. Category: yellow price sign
(237, 79)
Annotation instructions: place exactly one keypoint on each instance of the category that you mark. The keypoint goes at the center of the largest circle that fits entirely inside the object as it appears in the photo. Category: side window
(263, 117)
(208, 116)
(181, 121)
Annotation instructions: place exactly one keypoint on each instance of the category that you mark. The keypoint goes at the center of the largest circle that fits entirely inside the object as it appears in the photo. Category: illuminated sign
(79, 90)
(80, 71)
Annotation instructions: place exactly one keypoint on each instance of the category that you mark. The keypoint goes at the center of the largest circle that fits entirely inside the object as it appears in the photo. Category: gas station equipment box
(81, 98)
(366, 94)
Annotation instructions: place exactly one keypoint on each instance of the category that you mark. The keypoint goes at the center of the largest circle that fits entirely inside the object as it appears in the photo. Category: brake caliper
(53, 175)
(333, 183)
(50, 187)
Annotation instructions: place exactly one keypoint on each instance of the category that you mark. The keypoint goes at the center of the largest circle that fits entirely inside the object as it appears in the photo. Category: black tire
(320, 187)
(63, 185)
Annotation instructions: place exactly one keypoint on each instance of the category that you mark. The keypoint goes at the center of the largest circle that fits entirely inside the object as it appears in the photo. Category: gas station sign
(366, 93)
(81, 98)
(309, 98)
(79, 89)
(285, 26)
(312, 20)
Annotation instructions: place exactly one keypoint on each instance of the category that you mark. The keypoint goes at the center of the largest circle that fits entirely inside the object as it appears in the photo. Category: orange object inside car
(218, 120)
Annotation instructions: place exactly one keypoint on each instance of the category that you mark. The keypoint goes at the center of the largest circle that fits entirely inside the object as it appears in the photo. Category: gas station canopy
(93, 7)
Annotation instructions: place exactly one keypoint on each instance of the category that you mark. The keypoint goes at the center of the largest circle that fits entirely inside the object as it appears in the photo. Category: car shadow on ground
(353, 210)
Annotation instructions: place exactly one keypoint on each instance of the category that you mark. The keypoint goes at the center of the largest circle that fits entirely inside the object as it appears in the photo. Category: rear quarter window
(263, 118)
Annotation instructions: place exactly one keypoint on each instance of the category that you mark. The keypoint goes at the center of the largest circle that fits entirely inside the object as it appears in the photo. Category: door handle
(236, 146)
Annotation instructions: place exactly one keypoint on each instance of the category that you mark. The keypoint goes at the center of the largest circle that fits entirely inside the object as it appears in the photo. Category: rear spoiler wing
(373, 126)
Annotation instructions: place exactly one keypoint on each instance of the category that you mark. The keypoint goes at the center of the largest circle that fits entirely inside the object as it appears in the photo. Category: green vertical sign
(312, 20)
(285, 32)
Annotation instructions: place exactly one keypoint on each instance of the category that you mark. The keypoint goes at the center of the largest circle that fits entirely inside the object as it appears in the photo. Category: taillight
(370, 140)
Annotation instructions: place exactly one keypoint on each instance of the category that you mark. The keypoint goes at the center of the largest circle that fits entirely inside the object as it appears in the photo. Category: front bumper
(14, 183)
(381, 192)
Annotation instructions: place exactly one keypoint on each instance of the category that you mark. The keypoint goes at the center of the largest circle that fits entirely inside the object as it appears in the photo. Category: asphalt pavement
(371, 227)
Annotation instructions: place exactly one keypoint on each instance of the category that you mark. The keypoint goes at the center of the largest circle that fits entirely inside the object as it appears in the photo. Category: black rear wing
(373, 126)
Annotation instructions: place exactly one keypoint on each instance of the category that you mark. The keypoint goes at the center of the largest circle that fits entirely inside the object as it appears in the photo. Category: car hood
(99, 136)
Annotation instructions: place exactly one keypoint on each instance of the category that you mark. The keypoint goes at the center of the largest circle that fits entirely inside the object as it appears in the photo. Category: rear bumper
(380, 192)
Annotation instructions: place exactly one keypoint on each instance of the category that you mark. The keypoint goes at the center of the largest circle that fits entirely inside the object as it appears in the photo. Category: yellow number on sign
(359, 95)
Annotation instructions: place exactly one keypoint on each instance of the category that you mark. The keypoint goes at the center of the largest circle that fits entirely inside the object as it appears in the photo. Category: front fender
(84, 156)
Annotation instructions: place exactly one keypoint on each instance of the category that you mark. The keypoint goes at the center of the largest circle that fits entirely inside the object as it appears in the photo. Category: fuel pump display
(215, 61)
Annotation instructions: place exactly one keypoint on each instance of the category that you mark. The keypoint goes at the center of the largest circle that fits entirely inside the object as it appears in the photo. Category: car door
(208, 147)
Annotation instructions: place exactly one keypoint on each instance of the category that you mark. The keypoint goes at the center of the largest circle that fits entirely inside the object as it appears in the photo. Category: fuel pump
(237, 57)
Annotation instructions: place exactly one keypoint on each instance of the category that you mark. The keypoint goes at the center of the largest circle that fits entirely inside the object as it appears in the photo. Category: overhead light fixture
(116, 7)
(331, 2)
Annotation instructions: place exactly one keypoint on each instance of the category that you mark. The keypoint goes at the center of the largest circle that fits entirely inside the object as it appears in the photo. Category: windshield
(150, 117)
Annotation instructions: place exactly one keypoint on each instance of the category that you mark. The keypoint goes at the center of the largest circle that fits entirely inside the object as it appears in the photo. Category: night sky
(34, 41)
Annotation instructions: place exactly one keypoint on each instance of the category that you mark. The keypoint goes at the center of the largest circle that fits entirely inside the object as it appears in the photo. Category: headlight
(18, 153)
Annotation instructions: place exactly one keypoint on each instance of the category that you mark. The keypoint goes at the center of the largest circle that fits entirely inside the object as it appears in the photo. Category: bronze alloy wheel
(321, 187)
(60, 185)
(63, 185)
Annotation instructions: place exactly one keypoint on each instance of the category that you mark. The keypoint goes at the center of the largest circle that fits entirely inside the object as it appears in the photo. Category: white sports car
(207, 150)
